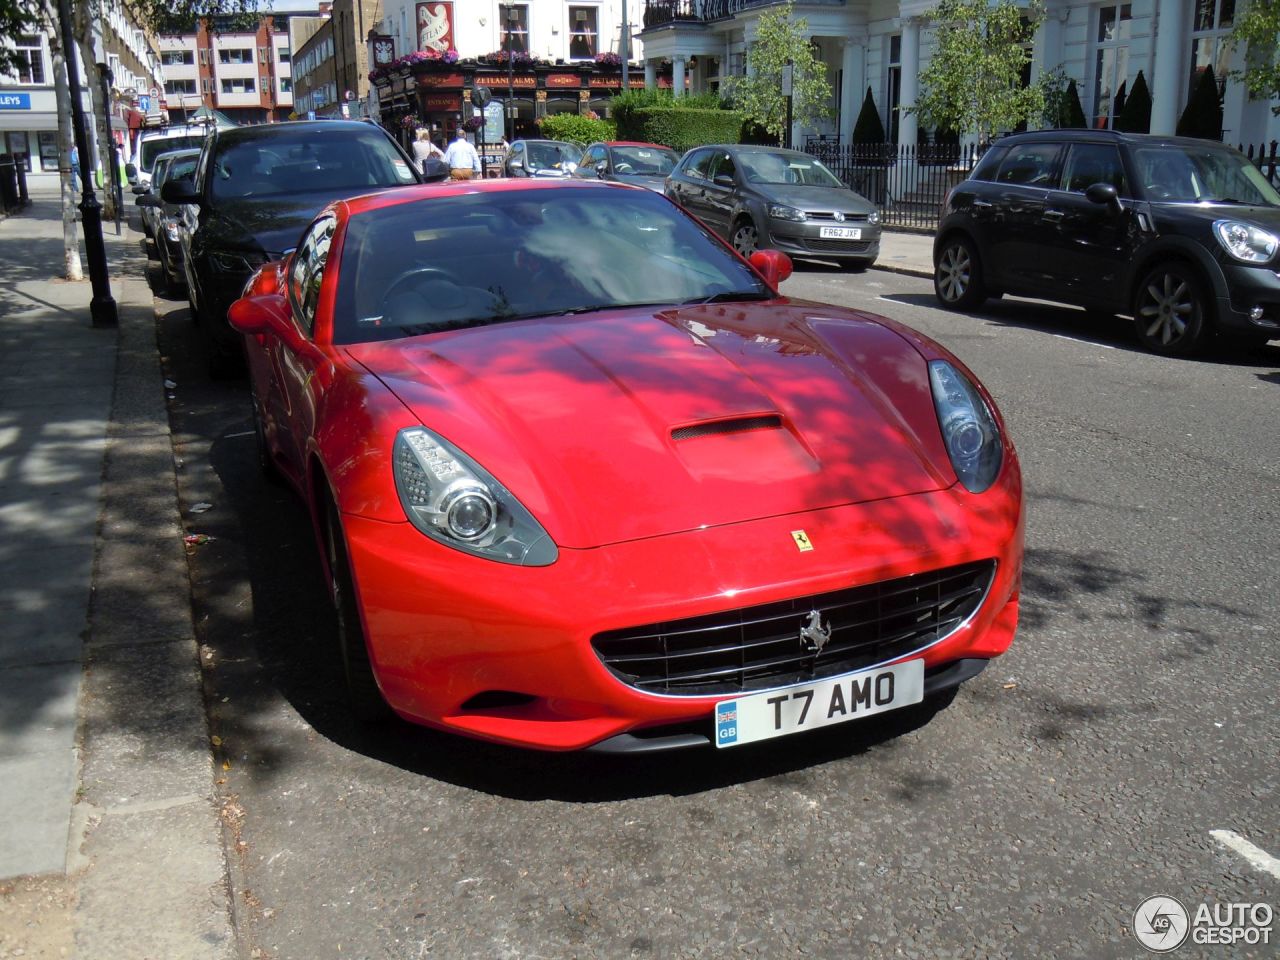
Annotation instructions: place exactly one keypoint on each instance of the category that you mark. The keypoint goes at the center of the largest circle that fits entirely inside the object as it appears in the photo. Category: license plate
(807, 706)
(840, 233)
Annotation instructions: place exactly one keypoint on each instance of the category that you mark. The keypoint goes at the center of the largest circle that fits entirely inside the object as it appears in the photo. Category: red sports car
(583, 478)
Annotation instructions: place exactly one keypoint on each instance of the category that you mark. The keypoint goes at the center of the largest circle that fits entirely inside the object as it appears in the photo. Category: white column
(852, 65)
(907, 124)
(677, 76)
(1167, 76)
(650, 75)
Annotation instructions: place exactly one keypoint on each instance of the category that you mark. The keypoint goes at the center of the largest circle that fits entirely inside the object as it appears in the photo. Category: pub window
(515, 26)
(30, 56)
(584, 32)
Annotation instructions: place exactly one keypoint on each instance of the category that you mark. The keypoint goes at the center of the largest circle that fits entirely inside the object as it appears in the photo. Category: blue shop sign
(15, 101)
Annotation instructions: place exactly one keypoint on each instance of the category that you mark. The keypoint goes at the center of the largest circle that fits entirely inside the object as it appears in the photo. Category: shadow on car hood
(633, 423)
(810, 197)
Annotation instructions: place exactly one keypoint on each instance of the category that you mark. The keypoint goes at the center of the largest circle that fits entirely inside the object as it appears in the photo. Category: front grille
(830, 217)
(833, 246)
(758, 648)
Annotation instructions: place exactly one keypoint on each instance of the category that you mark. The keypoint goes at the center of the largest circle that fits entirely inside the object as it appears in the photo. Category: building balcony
(658, 13)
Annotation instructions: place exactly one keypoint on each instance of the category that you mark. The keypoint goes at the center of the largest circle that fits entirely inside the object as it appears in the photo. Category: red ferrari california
(582, 477)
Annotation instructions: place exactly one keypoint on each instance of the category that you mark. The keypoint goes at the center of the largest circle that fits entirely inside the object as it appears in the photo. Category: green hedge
(576, 128)
(679, 128)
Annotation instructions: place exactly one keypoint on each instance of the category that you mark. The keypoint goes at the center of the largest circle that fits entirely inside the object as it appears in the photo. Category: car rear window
(1030, 164)
(158, 145)
(306, 159)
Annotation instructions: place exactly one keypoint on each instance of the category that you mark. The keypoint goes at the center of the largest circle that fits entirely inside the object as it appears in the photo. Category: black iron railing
(659, 12)
(907, 184)
(1266, 159)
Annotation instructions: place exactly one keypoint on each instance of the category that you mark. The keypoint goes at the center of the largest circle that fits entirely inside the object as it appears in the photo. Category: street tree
(1258, 30)
(781, 39)
(973, 81)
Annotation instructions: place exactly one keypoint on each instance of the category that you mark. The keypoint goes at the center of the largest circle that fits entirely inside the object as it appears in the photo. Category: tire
(363, 695)
(957, 277)
(1170, 311)
(266, 465)
(745, 237)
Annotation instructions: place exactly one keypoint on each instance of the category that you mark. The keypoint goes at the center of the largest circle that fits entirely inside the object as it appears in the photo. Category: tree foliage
(973, 82)
(868, 129)
(17, 17)
(577, 128)
(781, 39)
(1136, 115)
(1258, 30)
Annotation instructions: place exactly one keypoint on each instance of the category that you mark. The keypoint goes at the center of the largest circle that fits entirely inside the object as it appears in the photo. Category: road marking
(1092, 343)
(1257, 857)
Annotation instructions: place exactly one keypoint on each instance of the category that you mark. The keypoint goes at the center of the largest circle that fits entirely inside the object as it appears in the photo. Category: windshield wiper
(730, 296)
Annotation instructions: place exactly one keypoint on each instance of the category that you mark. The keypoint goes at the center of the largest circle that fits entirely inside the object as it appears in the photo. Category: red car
(583, 478)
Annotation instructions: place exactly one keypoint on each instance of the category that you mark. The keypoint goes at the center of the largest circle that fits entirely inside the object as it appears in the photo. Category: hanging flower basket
(608, 59)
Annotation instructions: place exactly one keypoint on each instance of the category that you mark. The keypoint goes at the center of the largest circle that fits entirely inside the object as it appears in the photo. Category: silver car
(768, 198)
(541, 158)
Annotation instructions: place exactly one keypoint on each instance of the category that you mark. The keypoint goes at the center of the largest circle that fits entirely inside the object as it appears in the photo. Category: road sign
(481, 96)
(144, 104)
(155, 92)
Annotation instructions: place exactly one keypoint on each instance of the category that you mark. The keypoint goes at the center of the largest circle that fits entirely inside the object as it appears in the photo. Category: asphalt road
(1082, 773)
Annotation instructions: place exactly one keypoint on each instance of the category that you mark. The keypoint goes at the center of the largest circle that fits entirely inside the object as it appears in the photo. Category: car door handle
(982, 205)
(1053, 215)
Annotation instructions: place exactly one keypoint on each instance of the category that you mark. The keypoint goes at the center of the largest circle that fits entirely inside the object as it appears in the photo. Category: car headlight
(968, 427)
(1246, 242)
(873, 217)
(455, 501)
(781, 212)
(237, 261)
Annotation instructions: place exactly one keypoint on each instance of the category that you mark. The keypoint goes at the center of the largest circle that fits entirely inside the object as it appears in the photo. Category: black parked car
(255, 189)
(1182, 235)
(768, 198)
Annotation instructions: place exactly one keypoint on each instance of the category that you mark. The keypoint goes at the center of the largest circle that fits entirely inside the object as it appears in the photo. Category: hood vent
(770, 421)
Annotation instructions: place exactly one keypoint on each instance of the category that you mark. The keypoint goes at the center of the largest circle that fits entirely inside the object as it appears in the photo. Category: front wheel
(1170, 313)
(957, 278)
(363, 695)
(746, 238)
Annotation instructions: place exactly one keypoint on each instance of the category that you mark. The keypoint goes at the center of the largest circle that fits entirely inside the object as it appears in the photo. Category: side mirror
(1104, 194)
(147, 199)
(723, 180)
(140, 190)
(179, 191)
(266, 313)
(131, 171)
(773, 265)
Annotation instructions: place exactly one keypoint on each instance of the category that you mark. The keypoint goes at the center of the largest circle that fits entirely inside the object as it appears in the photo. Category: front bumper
(1248, 287)
(803, 239)
(504, 653)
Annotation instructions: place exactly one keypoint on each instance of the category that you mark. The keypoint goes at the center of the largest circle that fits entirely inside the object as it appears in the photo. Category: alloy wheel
(954, 272)
(1168, 305)
(745, 238)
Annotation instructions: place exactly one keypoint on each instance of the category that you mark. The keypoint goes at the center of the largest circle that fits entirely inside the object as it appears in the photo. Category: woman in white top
(424, 149)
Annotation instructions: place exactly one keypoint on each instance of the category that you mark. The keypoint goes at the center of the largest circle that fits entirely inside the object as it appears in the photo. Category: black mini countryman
(1182, 235)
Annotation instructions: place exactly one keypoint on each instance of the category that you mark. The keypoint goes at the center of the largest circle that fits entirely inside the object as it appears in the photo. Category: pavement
(111, 833)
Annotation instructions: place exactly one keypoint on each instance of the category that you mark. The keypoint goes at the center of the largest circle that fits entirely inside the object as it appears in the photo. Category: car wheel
(957, 278)
(266, 463)
(363, 695)
(1170, 312)
(746, 238)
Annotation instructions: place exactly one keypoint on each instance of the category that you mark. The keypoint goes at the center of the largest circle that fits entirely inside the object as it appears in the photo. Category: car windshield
(447, 262)
(643, 161)
(770, 166)
(153, 148)
(1179, 174)
(551, 156)
(307, 159)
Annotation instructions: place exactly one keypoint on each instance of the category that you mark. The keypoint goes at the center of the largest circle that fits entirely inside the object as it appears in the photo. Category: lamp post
(512, 16)
(102, 308)
(787, 82)
(626, 49)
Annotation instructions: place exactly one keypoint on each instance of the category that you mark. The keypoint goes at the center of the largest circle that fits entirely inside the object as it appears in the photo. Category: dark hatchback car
(768, 198)
(1182, 235)
(255, 188)
(621, 161)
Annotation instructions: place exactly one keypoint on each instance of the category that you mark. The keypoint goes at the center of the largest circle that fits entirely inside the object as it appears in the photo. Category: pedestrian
(75, 165)
(424, 150)
(461, 157)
